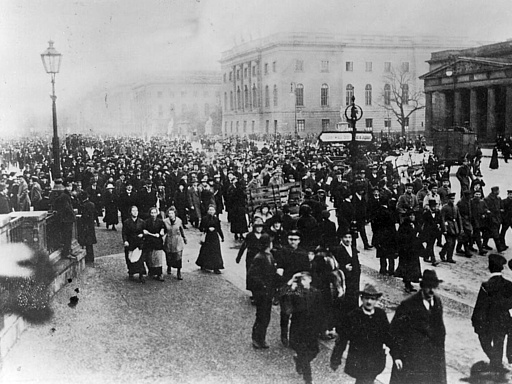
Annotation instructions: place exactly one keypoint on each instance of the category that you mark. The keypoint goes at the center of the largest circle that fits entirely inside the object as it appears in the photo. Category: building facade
(301, 83)
(179, 105)
(471, 88)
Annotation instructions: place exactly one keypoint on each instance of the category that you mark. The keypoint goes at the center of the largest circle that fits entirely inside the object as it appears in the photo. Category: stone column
(491, 114)
(457, 119)
(508, 112)
(473, 110)
(439, 115)
(428, 114)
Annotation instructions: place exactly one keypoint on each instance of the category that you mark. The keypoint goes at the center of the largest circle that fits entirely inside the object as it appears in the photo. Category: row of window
(161, 94)
(301, 125)
(299, 96)
(324, 67)
(184, 109)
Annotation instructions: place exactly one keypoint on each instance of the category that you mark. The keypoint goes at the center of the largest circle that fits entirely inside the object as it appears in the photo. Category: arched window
(246, 96)
(267, 97)
(207, 109)
(368, 94)
(387, 94)
(349, 94)
(405, 94)
(254, 96)
(238, 98)
(324, 95)
(231, 100)
(299, 95)
(225, 101)
(275, 95)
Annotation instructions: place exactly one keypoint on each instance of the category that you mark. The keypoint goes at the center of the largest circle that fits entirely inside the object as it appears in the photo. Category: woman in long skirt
(409, 250)
(494, 159)
(174, 242)
(152, 248)
(210, 256)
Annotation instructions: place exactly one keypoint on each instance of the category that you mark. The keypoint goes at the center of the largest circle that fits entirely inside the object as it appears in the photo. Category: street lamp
(356, 113)
(451, 71)
(293, 92)
(51, 61)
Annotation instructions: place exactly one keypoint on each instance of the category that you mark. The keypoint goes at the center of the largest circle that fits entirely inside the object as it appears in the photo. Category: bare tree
(399, 96)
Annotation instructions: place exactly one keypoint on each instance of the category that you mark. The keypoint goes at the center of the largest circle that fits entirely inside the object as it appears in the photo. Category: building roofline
(340, 41)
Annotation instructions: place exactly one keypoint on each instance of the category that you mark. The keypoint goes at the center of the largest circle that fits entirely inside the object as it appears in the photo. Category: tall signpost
(356, 113)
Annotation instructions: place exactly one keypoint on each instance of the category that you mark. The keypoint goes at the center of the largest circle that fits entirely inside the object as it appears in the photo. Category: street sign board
(332, 137)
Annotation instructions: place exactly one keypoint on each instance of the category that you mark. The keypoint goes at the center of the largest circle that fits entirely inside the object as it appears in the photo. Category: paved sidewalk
(191, 331)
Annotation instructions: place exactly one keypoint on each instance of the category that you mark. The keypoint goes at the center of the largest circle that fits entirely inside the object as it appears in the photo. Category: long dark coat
(181, 203)
(491, 313)
(253, 246)
(111, 211)
(418, 340)
(86, 224)
(352, 278)
(237, 210)
(494, 159)
(409, 251)
(194, 199)
(367, 335)
(210, 256)
(384, 232)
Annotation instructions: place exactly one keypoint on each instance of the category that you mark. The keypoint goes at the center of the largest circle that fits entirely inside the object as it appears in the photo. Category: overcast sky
(107, 42)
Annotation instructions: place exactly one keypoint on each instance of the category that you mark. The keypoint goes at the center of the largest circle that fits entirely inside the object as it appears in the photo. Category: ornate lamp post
(51, 61)
(356, 113)
(452, 71)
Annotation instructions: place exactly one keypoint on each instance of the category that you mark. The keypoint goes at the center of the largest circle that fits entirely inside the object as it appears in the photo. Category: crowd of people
(296, 256)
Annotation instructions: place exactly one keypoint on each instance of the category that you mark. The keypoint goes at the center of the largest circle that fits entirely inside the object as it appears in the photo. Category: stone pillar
(491, 114)
(439, 111)
(428, 114)
(457, 119)
(473, 110)
(508, 112)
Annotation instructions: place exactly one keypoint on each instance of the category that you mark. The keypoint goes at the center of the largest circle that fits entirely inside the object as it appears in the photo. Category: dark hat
(496, 262)
(432, 185)
(509, 190)
(432, 202)
(408, 185)
(326, 214)
(425, 181)
(495, 188)
(466, 192)
(430, 279)
(294, 232)
(370, 291)
(451, 195)
(445, 179)
(410, 212)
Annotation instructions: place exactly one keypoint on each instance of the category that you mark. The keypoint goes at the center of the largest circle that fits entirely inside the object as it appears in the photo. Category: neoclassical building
(472, 88)
(300, 82)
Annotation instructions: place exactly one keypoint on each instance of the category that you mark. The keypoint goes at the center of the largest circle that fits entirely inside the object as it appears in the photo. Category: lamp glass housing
(51, 59)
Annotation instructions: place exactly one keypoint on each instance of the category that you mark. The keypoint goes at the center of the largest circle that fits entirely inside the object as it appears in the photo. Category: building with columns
(471, 88)
(291, 83)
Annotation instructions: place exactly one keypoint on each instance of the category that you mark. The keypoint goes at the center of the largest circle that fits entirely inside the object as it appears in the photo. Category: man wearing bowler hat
(418, 335)
(491, 317)
(367, 330)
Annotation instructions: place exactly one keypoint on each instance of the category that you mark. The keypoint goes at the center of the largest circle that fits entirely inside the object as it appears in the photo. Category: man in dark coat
(451, 224)
(506, 217)
(464, 175)
(359, 202)
(147, 199)
(367, 330)
(86, 228)
(262, 279)
(491, 318)
(418, 334)
(127, 199)
(493, 202)
(291, 259)
(430, 230)
(65, 217)
(384, 236)
(346, 254)
(478, 219)
(5, 203)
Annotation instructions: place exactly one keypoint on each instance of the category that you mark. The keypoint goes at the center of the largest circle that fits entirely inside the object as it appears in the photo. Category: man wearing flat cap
(367, 330)
(451, 226)
(418, 336)
(491, 317)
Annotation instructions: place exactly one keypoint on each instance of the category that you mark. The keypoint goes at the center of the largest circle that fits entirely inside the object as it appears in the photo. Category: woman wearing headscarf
(210, 255)
(174, 242)
(153, 245)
